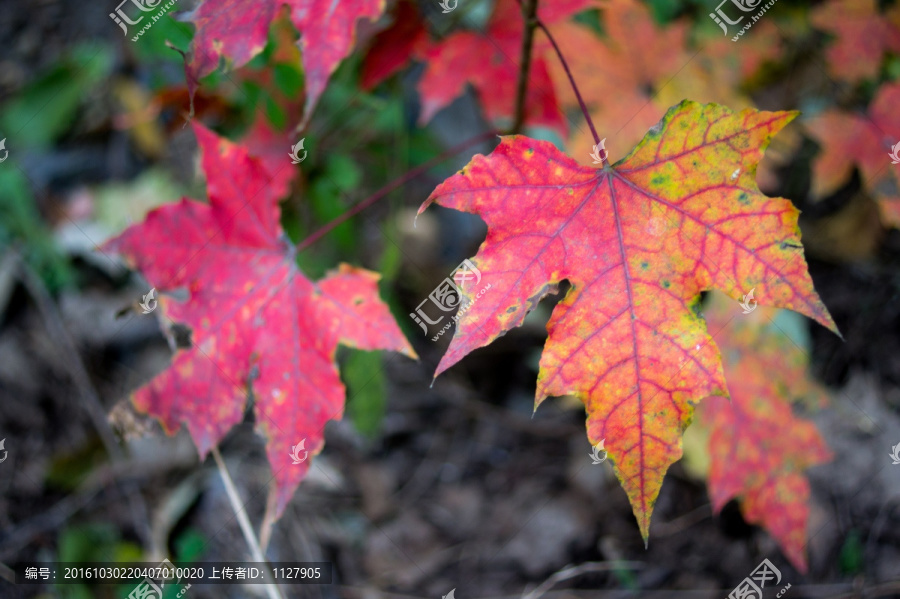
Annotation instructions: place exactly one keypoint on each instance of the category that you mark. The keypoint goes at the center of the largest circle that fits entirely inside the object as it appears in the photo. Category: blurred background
(422, 488)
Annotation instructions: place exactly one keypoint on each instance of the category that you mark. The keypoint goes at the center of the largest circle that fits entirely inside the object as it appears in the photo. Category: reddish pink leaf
(393, 48)
(255, 317)
(489, 61)
(238, 29)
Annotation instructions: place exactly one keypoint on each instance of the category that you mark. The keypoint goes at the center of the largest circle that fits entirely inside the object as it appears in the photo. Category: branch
(575, 571)
(565, 65)
(391, 187)
(529, 14)
(271, 589)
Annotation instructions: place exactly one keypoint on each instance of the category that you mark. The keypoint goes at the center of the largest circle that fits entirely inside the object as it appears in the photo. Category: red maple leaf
(393, 48)
(757, 446)
(638, 242)
(488, 60)
(238, 29)
(256, 319)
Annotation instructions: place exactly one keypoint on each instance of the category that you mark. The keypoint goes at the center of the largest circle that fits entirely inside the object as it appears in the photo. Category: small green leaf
(365, 382)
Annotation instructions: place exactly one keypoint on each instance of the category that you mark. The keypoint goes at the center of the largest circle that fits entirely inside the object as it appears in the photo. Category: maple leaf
(393, 48)
(849, 139)
(758, 447)
(717, 71)
(489, 61)
(616, 75)
(238, 30)
(863, 36)
(638, 242)
(255, 317)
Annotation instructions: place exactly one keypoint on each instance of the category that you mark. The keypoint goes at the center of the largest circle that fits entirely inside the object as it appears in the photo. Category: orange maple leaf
(632, 74)
(757, 446)
(862, 36)
(638, 242)
(863, 139)
(616, 75)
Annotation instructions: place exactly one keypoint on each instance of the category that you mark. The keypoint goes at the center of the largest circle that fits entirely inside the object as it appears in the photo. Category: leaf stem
(271, 589)
(529, 14)
(412, 174)
(565, 65)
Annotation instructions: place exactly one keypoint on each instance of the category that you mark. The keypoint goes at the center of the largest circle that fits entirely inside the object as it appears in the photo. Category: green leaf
(365, 382)
(21, 224)
(47, 107)
(329, 198)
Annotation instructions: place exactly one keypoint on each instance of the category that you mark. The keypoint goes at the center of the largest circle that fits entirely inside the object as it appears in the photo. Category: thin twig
(391, 187)
(268, 521)
(529, 14)
(273, 591)
(665, 529)
(565, 65)
(574, 571)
